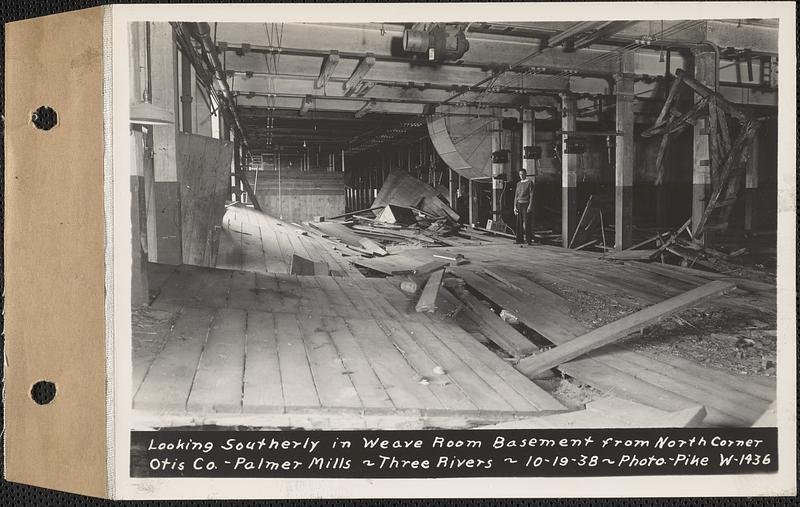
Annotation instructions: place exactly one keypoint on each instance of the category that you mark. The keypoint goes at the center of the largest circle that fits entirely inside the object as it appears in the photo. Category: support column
(529, 139)
(497, 170)
(471, 203)
(166, 190)
(751, 186)
(453, 188)
(569, 171)
(704, 72)
(623, 202)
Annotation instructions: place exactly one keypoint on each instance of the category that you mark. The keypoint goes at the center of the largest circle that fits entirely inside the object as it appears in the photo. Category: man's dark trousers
(524, 222)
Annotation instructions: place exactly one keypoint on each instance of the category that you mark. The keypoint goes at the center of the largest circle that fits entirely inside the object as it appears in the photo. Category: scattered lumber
(619, 329)
(307, 267)
(348, 237)
(427, 301)
(430, 267)
(458, 260)
(394, 214)
(354, 213)
(494, 328)
(402, 189)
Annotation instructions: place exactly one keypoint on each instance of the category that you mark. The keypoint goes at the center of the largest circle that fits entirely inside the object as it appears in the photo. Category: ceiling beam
(364, 65)
(602, 31)
(329, 64)
(304, 103)
(572, 31)
(366, 108)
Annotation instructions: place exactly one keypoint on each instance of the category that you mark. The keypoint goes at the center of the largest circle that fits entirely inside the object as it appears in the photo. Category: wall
(300, 195)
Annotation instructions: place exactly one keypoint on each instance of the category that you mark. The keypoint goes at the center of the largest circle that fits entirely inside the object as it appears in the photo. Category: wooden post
(471, 204)
(704, 72)
(166, 189)
(751, 186)
(529, 139)
(497, 169)
(569, 168)
(453, 189)
(623, 219)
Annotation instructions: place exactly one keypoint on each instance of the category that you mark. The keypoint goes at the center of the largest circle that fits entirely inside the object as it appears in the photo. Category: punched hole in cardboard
(43, 392)
(44, 118)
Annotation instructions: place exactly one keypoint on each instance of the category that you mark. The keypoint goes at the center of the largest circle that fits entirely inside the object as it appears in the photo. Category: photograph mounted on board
(454, 225)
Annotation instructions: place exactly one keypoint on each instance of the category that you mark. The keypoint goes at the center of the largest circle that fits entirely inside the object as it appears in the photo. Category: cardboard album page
(340, 251)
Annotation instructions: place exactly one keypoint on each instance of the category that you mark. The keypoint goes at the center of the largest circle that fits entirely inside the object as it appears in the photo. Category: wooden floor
(237, 342)
(522, 281)
(252, 345)
(253, 241)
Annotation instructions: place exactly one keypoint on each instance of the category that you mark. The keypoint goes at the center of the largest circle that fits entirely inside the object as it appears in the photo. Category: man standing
(523, 208)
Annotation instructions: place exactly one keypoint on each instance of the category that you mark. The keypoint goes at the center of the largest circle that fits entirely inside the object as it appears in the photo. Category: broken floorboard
(290, 348)
(619, 329)
(638, 378)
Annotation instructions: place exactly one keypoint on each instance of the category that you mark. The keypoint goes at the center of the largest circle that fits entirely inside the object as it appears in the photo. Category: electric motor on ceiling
(531, 152)
(500, 157)
(438, 41)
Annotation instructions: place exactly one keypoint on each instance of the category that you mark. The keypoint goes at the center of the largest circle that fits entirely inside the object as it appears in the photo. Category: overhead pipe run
(202, 33)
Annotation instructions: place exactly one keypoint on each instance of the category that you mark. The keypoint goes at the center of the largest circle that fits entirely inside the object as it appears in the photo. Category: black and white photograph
(414, 225)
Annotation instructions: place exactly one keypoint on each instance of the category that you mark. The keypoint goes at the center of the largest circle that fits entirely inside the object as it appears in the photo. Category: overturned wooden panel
(204, 170)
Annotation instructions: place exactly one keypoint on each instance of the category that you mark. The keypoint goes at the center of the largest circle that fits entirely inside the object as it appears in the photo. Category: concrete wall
(299, 195)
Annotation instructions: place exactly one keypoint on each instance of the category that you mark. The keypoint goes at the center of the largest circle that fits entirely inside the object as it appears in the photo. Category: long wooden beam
(617, 330)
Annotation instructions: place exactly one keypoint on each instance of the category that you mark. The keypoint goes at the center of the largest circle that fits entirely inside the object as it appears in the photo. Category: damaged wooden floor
(240, 344)
(219, 343)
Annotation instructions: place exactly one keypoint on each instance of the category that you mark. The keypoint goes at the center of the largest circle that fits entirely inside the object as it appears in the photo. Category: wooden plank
(299, 389)
(217, 383)
(517, 390)
(533, 393)
(481, 393)
(272, 250)
(539, 311)
(253, 258)
(496, 329)
(399, 378)
(263, 390)
(742, 383)
(348, 237)
(427, 300)
(719, 404)
(334, 387)
(450, 394)
(150, 328)
(619, 329)
(370, 389)
(268, 294)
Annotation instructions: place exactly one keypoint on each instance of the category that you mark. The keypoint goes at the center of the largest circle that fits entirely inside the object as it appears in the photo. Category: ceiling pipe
(202, 32)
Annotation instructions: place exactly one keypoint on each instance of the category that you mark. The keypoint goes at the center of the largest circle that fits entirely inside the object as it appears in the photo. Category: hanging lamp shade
(148, 114)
